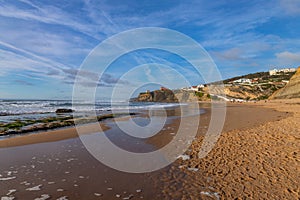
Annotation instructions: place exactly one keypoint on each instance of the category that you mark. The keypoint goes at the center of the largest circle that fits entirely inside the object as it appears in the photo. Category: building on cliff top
(277, 71)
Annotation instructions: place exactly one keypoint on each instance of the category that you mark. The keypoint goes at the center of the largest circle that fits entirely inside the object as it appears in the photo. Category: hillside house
(243, 81)
(277, 71)
(194, 88)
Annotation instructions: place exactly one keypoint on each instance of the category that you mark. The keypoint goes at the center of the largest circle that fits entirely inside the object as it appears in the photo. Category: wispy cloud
(48, 14)
(46, 40)
(22, 82)
(291, 7)
(288, 58)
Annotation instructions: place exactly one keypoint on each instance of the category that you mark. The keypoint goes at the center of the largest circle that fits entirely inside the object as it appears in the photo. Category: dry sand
(255, 162)
(256, 157)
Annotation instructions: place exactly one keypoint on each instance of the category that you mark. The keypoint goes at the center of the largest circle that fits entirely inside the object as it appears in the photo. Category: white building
(243, 80)
(285, 70)
(193, 88)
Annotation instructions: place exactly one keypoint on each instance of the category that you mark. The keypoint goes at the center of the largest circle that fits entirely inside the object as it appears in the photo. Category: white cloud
(49, 15)
(288, 58)
(291, 7)
(10, 61)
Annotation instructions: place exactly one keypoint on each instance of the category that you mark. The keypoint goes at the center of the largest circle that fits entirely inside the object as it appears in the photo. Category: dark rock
(64, 110)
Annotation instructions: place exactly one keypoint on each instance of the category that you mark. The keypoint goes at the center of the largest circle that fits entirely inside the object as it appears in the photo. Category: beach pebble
(59, 190)
(139, 190)
(43, 197)
(109, 188)
(51, 183)
(97, 194)
(81, 177)
(118, 196)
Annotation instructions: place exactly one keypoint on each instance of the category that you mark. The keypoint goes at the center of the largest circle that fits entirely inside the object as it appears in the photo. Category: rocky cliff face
(166, 96)
(291, 90)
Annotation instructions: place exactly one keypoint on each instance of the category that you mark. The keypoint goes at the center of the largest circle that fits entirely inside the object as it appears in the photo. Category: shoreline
(64, 132)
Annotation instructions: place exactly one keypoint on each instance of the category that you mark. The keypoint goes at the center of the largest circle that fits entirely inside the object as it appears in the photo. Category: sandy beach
(256, 157)
(257, 160)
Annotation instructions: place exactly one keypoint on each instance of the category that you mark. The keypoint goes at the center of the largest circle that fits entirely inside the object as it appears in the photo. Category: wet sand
(49, 136)
(61, 166)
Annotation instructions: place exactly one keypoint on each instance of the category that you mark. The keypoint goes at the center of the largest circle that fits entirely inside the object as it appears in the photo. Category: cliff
(291, 90)
(163, 95)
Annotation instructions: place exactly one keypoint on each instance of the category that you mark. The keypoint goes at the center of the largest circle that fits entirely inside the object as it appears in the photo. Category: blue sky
(43, 43)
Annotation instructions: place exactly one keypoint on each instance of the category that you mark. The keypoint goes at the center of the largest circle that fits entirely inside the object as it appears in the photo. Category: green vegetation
(263, 97)
(199, 94)
(264, 77)
(13, 125)
(51, 123)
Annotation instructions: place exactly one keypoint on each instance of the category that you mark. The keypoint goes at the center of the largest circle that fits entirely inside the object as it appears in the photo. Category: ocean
(11, 110)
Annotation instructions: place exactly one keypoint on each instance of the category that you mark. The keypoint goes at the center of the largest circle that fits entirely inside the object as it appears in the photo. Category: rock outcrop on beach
(291, 90)
(163, 95)
(64, 110)
(48, 123)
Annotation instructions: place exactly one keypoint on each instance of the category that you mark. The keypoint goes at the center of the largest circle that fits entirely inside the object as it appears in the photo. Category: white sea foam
(7, 198)
(211, 194)
(35, 188)
(11, 192)
(43, 197)
(184, 157)
(46, 106)
(193, 169)
(62, 198)
(7, 178)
